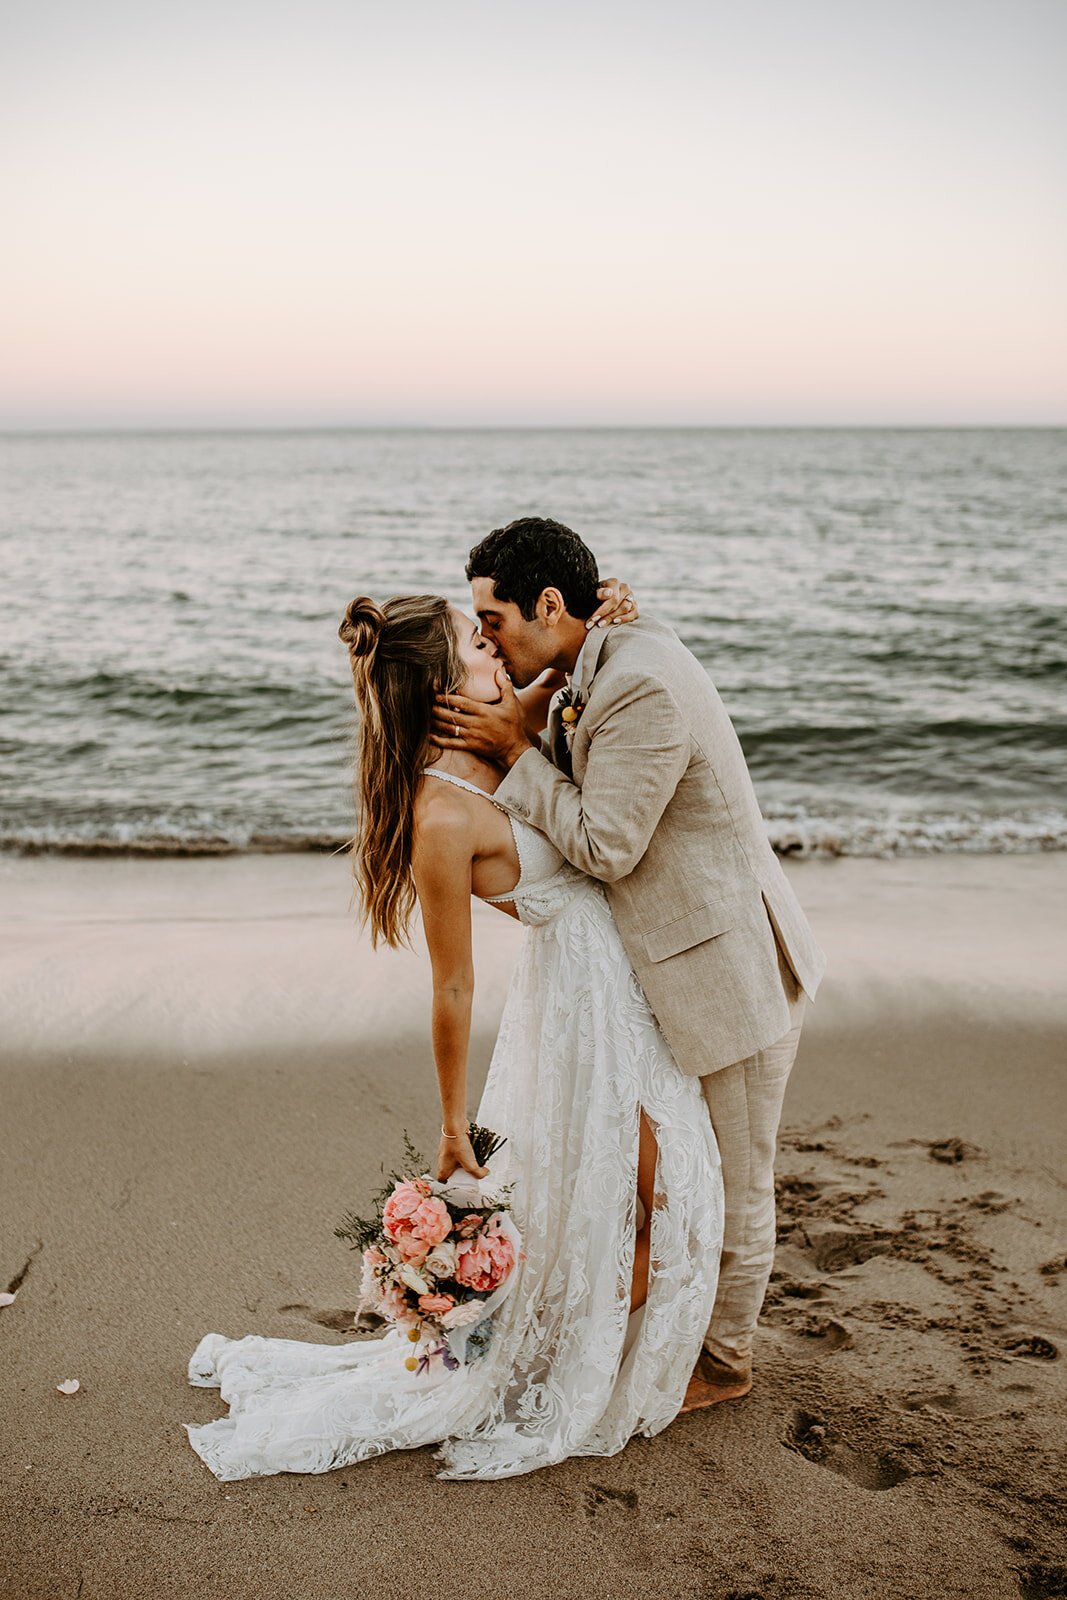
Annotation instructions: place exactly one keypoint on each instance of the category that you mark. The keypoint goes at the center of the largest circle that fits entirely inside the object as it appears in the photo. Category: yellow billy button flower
(569, 714)
(413, 1335)
(412, 1363)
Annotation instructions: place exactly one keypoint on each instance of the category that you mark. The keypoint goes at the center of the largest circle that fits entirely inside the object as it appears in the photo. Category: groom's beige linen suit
(653, 797)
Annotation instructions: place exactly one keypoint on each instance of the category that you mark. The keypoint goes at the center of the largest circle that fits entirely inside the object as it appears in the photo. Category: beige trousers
(745, 1101)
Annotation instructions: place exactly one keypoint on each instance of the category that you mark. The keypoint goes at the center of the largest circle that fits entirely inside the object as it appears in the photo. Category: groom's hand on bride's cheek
(496, 729)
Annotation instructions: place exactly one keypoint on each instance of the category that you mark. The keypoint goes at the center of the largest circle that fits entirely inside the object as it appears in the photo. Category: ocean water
(883, 612)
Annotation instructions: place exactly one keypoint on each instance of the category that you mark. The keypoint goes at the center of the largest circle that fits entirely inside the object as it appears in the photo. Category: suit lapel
(558, 743)
(582, 684)
(594, 643)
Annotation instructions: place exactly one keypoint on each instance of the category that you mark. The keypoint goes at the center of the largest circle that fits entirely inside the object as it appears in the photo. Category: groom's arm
(638, 751)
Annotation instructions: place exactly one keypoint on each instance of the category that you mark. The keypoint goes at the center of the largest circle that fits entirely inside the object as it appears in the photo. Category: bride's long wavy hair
(401, 653)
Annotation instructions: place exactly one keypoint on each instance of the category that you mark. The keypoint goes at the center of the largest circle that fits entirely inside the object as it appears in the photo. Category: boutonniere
(571, 708)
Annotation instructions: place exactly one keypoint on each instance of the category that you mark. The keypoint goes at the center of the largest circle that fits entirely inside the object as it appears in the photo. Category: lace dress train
(566, 1372)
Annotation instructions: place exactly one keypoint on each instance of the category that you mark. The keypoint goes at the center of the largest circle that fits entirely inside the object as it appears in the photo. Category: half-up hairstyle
(401, 654)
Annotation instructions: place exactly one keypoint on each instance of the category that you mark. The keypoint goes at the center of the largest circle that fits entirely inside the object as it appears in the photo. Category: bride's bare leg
(647, 1154)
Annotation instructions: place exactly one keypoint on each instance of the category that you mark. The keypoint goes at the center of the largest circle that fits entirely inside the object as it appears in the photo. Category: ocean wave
(129, 841)
(814, 836)
(797, 834)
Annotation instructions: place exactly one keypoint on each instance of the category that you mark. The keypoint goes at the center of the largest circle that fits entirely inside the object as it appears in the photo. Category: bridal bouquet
(438, 1258)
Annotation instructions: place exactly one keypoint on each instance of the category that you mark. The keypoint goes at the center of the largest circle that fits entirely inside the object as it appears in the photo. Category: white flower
(442, 1260)
(414, 1280)
(464, 1315)
(68, 1386)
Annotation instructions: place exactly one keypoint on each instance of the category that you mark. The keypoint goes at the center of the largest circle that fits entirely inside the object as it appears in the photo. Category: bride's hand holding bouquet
(456, 1153)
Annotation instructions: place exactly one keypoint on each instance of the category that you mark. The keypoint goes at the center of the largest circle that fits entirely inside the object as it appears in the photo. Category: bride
(610, 1151)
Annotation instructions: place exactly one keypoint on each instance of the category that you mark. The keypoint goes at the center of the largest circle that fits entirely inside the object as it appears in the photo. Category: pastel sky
(533, 211)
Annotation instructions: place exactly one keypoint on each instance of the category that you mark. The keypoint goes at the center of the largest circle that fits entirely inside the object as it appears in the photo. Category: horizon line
(91, 429)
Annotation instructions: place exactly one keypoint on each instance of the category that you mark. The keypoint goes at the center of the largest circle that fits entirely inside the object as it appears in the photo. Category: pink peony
(469, 1225)
(374, 1257)
(402, 1205)
(412, 1249)
(435, 1304)
(431, 1221)
(485, 1261)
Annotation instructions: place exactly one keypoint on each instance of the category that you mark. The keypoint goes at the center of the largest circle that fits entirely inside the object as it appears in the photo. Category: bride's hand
(456, 1155)
(617, 604)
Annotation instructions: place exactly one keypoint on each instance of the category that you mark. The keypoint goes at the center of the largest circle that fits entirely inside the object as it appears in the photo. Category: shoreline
(203, 1065)
(787, 840)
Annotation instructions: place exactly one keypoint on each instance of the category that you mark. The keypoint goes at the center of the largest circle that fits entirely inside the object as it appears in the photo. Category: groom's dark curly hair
(533, 554)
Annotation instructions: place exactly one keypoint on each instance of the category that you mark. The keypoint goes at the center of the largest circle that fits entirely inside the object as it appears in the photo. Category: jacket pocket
(706, 922)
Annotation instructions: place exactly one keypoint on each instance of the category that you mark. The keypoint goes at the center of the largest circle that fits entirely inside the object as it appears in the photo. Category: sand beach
(203, 1064)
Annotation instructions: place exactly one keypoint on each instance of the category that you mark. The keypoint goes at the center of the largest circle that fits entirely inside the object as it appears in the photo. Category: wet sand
(202, 1065)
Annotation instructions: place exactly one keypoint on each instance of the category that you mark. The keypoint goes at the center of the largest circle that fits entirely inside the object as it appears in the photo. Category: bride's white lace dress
(567, 1372)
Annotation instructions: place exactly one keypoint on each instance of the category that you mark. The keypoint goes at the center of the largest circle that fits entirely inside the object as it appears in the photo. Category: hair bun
(362, 625)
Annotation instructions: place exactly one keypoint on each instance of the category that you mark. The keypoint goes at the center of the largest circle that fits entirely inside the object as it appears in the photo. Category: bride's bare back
(444, 808)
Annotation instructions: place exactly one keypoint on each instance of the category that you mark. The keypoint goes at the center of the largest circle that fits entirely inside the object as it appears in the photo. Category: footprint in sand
(793, 1289)
(599, 1497)
(813, 1438)
(833, 1252)
(1043, 1580)
(952, 1151)
(991, 1201)
(1032, 1346)
(949, 1401)
(807, 1337)
(824, 1332)
(340, 1320)
(792, 1189)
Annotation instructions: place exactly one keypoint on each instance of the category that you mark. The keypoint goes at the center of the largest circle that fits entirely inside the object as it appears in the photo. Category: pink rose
(469, 1225)
(431, 1221)
(412, 1249)
(435, 1304)
(401, 1206)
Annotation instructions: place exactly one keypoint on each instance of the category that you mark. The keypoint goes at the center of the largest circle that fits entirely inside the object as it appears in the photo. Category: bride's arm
(536, 697)
(441, 867)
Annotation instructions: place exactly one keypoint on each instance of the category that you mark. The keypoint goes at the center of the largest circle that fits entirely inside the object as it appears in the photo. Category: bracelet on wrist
(462, 1135)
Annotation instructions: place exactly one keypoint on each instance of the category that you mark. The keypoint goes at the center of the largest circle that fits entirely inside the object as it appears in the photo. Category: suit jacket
(653, 797)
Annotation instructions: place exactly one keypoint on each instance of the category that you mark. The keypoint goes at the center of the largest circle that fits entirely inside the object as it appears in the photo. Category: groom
(641, 782)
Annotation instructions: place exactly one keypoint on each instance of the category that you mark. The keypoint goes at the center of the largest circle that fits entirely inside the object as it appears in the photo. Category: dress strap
(461, 783)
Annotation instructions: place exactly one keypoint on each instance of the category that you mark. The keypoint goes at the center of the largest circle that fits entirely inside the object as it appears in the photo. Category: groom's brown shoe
(712, 1382)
